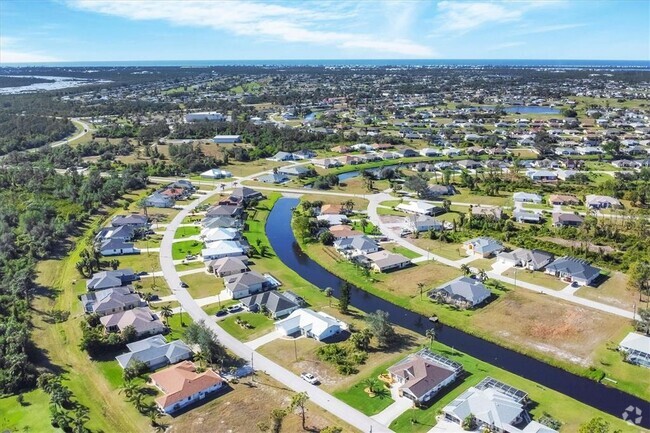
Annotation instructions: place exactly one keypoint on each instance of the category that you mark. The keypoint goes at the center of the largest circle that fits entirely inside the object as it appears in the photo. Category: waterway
(601, 397)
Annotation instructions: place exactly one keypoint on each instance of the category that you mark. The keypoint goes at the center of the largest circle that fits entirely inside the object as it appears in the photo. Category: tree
(639, 278)
(595, 425)
(298, 401)
(431, 335)
(344, 298)
(361, 340)
(166, 313)
(129, 389)
(381, 327)
(363, 222)
(80, 419)
(204, 337)
(421, 288)
(469, 423)
(465, 269)
(277, 416)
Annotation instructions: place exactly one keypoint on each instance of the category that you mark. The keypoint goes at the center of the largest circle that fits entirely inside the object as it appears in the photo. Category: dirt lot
(246, 405)
(570, 332)
(612, 291)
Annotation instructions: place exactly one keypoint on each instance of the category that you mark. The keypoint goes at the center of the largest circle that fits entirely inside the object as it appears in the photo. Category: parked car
(310, 378)
(184, 285)
(234, 308)
(221, 313)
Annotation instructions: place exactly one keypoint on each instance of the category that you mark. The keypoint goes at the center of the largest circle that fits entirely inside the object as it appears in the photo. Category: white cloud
(462, 17)
(311, 22)
(12, 52)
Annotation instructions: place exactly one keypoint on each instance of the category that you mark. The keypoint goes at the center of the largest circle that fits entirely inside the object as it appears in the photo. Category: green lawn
(144, 261)
(212, 309)
(356, 397)
(403, 251)
(465, 196)
(157, 286)
(259, 322)
(389, 211)
(181, 249)
(184, 232)
(112, 371)
(537, 277)
(32, 417)
(190, 265)
(177, 326)
(202, 285)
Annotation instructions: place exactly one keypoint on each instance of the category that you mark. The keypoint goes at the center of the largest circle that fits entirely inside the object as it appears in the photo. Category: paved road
(279, 373)
(86, 127)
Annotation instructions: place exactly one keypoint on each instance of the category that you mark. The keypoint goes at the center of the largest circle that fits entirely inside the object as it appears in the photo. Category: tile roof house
(486, 211)
(182, 385)
(107, 279)
(384, 261)
(422, 375)
(528, 259)
(245, 284)
(109, 301)
(142, 319)
(463, 291)
(563, 199)
(317, 325)
(341, 231)
(156, 352)
(572, 270)
(275, 303)
(482, 246)
(495, 405)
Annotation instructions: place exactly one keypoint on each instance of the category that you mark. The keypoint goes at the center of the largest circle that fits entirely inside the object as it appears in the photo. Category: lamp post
(515, 279)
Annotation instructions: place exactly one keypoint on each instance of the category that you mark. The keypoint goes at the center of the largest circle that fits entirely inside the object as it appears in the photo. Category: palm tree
(129, 389)
(431, 335)
(298, 401)
(166, 313)
(202, 358)
(482, 275)
(363, 223)
(80, 419)
(421, 288)
(465, 269)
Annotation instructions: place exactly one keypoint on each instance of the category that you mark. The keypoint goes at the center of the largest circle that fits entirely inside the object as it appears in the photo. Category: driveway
(400, 405)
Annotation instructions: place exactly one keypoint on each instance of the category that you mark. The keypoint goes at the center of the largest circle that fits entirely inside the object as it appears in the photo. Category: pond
(587, 391)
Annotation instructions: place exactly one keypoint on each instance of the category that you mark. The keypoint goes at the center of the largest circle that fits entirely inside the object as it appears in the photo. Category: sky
(145, 30)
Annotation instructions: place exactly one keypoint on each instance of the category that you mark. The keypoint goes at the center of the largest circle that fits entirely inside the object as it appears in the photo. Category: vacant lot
(147, 262)
(181, 249)
(536, 277)
(448, 251)
(202, 285)
(613, 291)
(567, 331)
(246, 405)
(185, 231)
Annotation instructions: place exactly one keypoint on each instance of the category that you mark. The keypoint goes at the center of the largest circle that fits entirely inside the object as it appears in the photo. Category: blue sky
(110, 30)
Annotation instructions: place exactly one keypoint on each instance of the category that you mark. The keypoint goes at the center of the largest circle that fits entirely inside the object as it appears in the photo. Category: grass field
(449, 251)
(465, 196)
(536, 277)
(184, 232)
(202, 285)
(147, 262)
(190, 265)
(32, 416)
(403, 251)
(181, 249)
(613, 291)
(260, 325)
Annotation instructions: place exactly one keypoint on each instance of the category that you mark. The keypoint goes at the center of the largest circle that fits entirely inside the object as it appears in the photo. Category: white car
(310, 378)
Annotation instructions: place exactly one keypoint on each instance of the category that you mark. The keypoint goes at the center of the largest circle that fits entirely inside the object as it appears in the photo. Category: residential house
(482, 246)
(220, 249)
(134, 220)
(563, 200)
(528, 259)
(406, 152)
(220, 221)
(216, 173)
(272, 302)
(419, 207)
(496, 406)
(526, 197)
(282, 156)
(226, 139)
(220, 234)
(573, 270)
(420, 376)
(155, 352)
(486, 211)
(291, 170)
(273, 178)
(334, 219)
(542, 175)
(123, 233)
(109, 301)
(526, 216)
(469, 164)
(332, 209)
(465, 292)
(384, 261)
(422, 223)
(601, 202)
(437, 190)
(227, 266)
(108, 279)
(225, 210)
(116, 247)
(358, 245)
(342, 231)
(245, 284)
(636, 348)
(142, 319)
(317, 325)
(243, 194)
(304, 154)
(567, 219)
(159, 200)
(182, 385)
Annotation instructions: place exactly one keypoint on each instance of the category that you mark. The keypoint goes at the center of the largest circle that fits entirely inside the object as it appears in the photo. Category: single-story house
(116, 247)
(226, 139)
(110, 301)
(135, 220)
(293, 170)
(333, 219)
(226, 266)
(529, 259)
(108, 279)
(567, 219)
(156, 352)
(406, 152)
(563, 199)
(220, 234)
(422, 375)
(341, 231)
(220, 249)
(142, 319)
(244, 194)
(463, 291)
(487, 211)
(384, 261)
(282, 156)
(125, 233)
(273, 178)
(422, 223)
(159, 200)
(275, 303)
(227, 210)
(542, 175)
(601, 201)
(526, 197)
(419, 207)
(181, 385)
(317, 325)
(526, 216)
(469, 164)
(572, 270)
(637, 349)
(331, 209)
(482, 246)
(216, 173)
(356, 245)
(495, 405)
(245, 284)
(436, 190)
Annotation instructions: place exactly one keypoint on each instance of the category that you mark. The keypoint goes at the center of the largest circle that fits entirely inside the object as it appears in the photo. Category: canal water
(606, 399)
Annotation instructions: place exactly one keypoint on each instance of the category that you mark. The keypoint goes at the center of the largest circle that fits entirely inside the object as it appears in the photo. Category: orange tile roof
(181, 381)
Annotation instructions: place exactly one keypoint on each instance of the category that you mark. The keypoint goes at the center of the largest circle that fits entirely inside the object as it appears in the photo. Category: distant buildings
(205, 116)
(226, 139)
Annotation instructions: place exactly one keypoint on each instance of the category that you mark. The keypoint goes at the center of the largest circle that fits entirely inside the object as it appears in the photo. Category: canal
(601, 397)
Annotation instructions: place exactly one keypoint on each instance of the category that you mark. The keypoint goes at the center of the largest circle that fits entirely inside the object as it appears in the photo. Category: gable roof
(108, 279)
(181, 381)
(465, 288)
(575, 267)
(423, 372)
(154, 351)
(273, 301)
(141, 318)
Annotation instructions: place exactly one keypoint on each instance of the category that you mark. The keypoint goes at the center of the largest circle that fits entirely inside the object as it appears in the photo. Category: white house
(216, 173)
(116, 247)
(637, 349)
(205, 116)
(526, 197)
(317, 325)
(219, 234)
(422, 223)
(220, 249)
(417, 207)
(226, 139)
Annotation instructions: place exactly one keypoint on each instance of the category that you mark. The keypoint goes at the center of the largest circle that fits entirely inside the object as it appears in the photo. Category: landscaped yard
(356, 397)
(260, 325)
(185, 231)
(184, 248)
(536, 277)
(202, 285)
